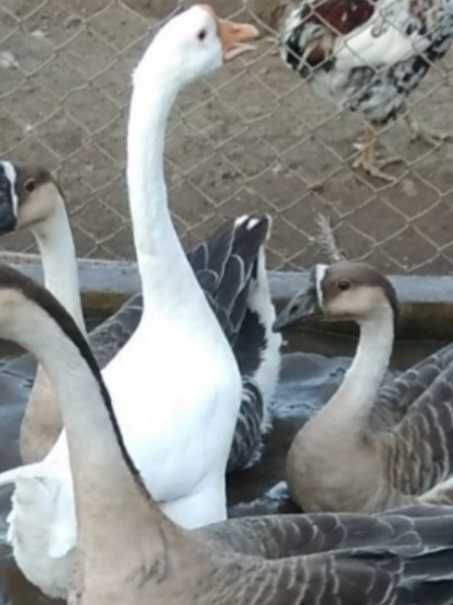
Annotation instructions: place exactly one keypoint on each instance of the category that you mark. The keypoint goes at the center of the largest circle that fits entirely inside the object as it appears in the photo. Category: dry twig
(327, 239)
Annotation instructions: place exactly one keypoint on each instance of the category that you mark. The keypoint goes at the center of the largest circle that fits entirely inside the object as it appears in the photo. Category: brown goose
(370, 450)
(30, 198)
(130, 553)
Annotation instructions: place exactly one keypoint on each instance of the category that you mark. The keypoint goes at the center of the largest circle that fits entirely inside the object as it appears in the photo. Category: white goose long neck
(352, 403)
(164, 269)
(56, 245)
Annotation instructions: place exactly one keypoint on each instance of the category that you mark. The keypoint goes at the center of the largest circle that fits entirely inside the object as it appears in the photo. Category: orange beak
(233, 36)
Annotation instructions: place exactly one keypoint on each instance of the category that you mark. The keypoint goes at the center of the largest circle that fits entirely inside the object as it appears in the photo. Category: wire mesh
(252, 138)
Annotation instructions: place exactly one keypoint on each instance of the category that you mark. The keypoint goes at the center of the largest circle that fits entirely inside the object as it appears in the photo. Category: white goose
(130, 553)
(230, 268)
(181, 436)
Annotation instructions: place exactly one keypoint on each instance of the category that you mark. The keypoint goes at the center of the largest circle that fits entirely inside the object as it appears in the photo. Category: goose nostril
(293, 309)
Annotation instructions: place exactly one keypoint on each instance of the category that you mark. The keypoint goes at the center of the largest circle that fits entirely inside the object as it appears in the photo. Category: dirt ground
(251, 139)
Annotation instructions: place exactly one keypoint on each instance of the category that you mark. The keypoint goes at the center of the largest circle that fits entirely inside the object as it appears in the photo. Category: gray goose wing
(399, 576)
(392, 558)
(396, 397)
(226, 266)
(418, 453)
(282, 536)
(110, 336)
(326, 579)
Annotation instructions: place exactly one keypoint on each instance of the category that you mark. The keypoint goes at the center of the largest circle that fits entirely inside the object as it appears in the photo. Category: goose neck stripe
(40, 296)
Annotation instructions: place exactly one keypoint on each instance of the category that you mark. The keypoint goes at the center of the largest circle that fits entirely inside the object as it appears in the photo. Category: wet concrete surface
(307, 381)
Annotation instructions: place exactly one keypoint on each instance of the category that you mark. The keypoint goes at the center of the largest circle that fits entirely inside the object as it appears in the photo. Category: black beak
(8, 221)
(303, 306)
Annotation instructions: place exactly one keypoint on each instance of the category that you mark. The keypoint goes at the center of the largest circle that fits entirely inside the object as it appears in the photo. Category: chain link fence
(253, 138)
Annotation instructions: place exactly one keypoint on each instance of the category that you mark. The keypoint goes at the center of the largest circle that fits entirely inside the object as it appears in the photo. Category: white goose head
(28, 195)
(344, 291)
(194, 44)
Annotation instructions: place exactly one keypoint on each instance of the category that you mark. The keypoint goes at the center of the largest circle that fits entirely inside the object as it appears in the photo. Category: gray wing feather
(417, 408)
(277, 536)
(110, 336)
(396, 397)
(402, 558)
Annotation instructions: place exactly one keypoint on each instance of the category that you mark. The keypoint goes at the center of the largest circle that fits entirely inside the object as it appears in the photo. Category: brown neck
(41, 423)
(120, 526)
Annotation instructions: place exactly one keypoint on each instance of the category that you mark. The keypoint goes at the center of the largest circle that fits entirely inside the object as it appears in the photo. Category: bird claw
(431, 137)
(368, 160)
(423, 133)
(374, 167)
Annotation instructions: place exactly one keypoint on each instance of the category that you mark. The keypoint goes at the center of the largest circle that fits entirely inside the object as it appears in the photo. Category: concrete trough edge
(426, 301)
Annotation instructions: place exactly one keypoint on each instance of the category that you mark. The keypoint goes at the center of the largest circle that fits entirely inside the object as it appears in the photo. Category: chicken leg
(368, 160)
(422, 133)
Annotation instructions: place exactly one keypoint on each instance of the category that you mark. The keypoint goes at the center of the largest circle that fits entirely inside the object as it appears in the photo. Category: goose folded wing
(110, 336)
(326, 579)
(419, 452)
(274, 537)
(224, 266)
(396, 397)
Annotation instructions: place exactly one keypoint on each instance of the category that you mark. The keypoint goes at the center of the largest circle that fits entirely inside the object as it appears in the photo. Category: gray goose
(130, 553)
(371, 448)
(230, 267)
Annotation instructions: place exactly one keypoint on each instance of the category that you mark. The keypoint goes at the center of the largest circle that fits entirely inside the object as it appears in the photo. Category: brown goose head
(344, 291)
(24, 199)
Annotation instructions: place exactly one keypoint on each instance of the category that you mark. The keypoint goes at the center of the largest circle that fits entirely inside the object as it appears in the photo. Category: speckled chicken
(368, 56)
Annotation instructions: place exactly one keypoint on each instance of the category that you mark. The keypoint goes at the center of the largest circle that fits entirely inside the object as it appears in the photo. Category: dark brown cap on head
(347, 274)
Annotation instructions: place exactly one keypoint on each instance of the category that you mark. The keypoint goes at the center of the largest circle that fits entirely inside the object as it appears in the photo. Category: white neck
(354, 400)
(56, 245)
(168, 282)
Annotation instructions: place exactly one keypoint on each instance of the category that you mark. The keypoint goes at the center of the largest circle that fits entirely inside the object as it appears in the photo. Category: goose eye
(202, 35)
(344, 284)
(30, 185)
